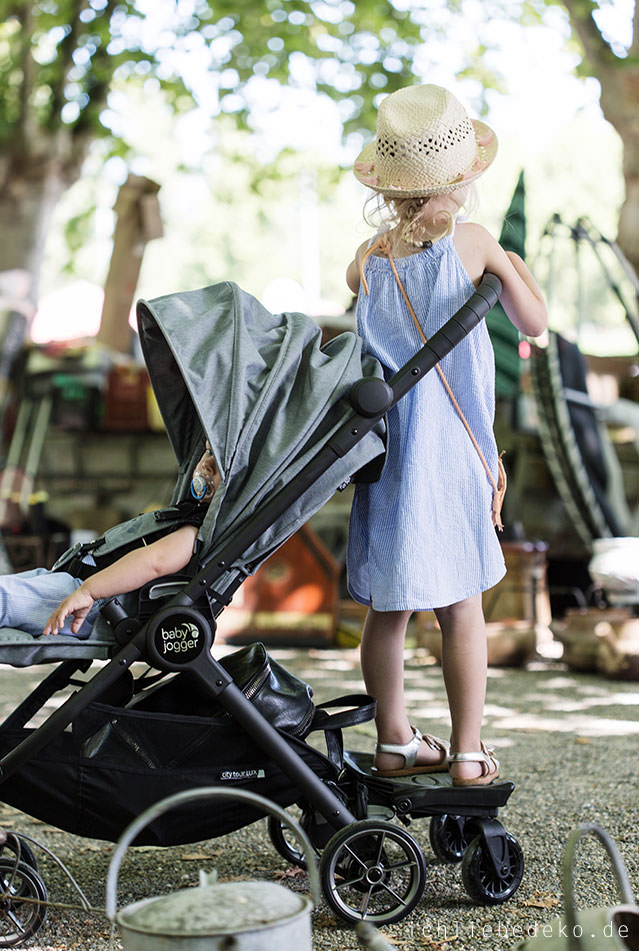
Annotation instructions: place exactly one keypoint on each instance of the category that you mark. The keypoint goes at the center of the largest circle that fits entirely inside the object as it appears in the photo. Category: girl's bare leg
(464, 665)
(382, 660)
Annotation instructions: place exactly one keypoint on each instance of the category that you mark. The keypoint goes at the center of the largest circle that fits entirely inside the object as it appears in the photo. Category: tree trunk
(29, 193)
(619, 98)
(138, 221)
(619, 80)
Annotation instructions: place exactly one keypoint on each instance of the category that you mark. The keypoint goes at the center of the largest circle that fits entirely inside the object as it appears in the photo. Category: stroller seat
(19, 649)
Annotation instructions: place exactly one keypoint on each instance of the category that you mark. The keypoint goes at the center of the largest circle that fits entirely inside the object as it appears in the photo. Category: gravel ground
(567, 740)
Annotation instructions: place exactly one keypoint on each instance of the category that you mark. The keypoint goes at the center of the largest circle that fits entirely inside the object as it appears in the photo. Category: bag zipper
(255, 685)
(258, 681)
(301, 729)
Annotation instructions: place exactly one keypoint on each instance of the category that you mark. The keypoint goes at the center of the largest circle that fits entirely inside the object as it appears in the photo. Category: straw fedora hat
(425, 145)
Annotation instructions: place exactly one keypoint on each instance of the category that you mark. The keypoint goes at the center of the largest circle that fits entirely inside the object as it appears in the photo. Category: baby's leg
(382, 660)
(27, 599)
(464, 666)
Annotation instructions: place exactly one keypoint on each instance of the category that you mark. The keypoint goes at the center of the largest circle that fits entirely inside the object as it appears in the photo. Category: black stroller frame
(370, 867)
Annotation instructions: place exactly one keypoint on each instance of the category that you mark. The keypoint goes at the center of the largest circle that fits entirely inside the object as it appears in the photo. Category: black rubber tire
(20, 919)
(20, 849)
(485, 884)
(372, 870)
(288, 850)
(447, 838)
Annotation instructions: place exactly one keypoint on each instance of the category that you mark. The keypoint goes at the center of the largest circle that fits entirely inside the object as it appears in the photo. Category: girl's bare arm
(521, 297)
(352, 272)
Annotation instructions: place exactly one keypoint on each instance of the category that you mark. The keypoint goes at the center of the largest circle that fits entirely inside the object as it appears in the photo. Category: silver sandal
(409, 752)
(489, 766)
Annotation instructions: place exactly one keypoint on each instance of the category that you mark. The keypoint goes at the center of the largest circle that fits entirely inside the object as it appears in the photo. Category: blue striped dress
(422, 536)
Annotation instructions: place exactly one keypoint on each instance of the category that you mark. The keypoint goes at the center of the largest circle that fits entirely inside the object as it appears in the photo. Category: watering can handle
(191, 795)
(621, 874)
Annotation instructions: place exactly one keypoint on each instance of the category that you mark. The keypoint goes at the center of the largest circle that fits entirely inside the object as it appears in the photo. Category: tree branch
(66, 49)
(25, 122)
(98, 89)
(598, 54)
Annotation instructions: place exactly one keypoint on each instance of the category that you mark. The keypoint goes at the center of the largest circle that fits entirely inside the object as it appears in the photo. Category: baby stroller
(289, 422)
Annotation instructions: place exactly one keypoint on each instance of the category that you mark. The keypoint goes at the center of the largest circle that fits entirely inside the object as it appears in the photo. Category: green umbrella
(505, 337)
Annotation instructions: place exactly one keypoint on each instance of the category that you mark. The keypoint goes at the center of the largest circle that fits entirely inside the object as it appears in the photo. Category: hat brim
(486, 152)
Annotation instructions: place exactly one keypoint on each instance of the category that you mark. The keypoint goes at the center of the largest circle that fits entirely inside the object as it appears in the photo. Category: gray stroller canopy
(263, 391)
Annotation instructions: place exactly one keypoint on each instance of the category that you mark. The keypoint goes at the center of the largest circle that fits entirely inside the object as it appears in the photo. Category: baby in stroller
(26, 597)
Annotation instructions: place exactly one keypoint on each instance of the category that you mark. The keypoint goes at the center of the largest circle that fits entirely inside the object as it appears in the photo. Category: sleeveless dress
(422, 536)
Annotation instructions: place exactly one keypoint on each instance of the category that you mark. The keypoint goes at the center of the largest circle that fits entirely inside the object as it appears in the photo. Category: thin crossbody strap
(499, 487)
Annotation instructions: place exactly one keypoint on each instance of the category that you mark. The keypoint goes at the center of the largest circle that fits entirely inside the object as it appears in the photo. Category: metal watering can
(226, 916)
(593, 929)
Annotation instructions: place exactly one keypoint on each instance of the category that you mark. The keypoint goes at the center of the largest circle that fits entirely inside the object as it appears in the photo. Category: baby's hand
(78, 603)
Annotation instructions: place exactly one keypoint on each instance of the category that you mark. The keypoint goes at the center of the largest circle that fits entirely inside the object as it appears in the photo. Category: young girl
(423, 537)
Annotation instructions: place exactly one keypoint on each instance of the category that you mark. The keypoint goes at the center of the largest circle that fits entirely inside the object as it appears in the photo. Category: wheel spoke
(380, 850)
(16, 921)
(7, 884)
(350, 883)
(366, 900)
(407, 863)
(354, 855)
(391, 891)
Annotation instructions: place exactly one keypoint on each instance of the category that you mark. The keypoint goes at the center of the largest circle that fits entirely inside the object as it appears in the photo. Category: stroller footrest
(426, 794)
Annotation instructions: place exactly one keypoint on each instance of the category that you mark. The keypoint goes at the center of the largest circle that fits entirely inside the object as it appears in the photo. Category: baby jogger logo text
(179, 638)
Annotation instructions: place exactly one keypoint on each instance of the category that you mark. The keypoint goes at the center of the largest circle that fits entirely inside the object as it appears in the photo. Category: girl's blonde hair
(417, 221)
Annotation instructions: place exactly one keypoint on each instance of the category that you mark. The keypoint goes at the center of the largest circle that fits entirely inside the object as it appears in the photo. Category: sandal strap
(410, 750)
(488, 761)
(436, 744)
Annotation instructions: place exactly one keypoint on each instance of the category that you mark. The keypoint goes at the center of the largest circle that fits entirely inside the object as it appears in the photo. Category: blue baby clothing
(28, 598)
(422, 536)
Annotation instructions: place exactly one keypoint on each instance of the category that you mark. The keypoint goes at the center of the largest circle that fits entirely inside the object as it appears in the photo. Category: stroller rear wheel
(284, 843)
(23, 899)
(448, 839)
(373, 870)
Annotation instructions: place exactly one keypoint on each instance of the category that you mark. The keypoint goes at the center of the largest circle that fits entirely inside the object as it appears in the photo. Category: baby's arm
(164, 557)
(521, 297)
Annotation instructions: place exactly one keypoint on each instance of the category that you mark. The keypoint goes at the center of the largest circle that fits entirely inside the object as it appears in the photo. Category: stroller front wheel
(23, 898)
(372, 870)
(490, 879)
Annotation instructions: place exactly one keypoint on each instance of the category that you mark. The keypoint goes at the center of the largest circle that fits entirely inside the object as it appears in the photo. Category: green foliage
(66, 67)
(347, 50)
(60, 58)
